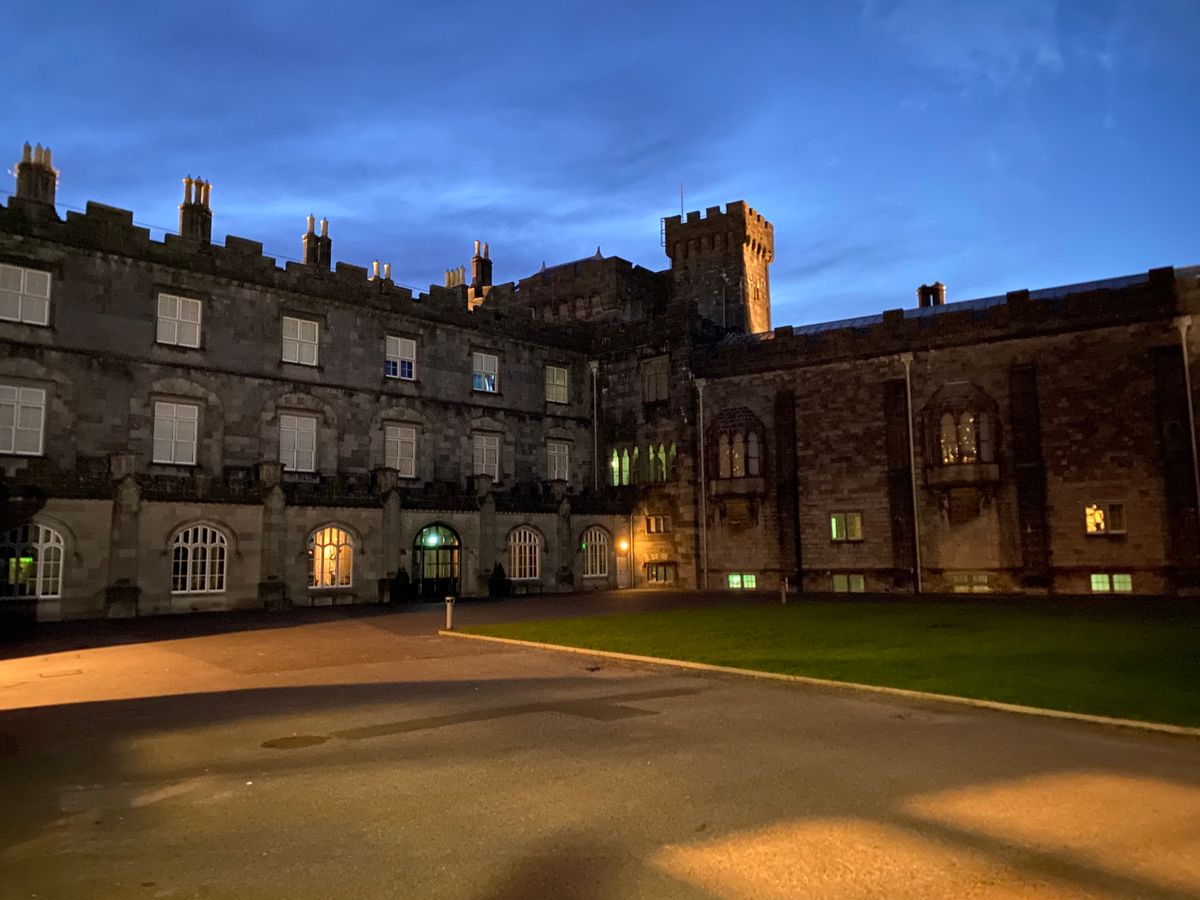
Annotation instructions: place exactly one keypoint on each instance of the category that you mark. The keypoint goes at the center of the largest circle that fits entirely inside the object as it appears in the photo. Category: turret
(195, 214)
(719, 262)
(37, 178)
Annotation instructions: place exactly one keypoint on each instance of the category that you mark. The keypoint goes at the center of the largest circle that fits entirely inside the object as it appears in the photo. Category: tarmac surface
(352, 753)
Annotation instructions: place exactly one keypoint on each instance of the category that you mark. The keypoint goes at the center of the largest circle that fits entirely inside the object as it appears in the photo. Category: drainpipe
(594, 365)
(907, 359)
(1182, 324)
(700, 382)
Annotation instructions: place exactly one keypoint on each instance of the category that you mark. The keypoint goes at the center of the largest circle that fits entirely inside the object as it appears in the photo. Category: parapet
(717, 230)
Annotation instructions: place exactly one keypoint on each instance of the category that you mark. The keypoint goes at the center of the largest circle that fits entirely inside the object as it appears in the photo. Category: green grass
(1135, 660)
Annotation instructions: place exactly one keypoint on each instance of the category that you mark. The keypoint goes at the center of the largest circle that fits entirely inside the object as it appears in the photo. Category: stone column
(563, 564)
(488, 554)
(122, 594)
(272, 589)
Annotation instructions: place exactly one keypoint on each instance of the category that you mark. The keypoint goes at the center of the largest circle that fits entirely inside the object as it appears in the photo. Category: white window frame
(1112, 518)
(485, 454)
(19, 408)
(658, 524)
(301, 341)
(341, 573)
(524, 554)
(24, 295)
(849, 583)
(558, 460)
(1106, 583)
(595, 553)
(199, 554)
(400, 449)
(176, 433)
(845, 526)
(401, 358)
(485, 366)
(47, 548)
(298, 442)
(557, 384)
(179, 321)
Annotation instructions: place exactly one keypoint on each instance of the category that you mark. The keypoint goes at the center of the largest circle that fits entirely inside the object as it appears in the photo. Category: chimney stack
(36, 176)
(195, 214)
(481, 268)
(931, 295)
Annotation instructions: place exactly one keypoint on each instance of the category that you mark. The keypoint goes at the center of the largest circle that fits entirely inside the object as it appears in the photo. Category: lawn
(1138, 659)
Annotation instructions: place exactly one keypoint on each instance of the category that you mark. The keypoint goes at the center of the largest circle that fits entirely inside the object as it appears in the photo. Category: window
(659, 462)
(1103, 582)
(400, 449)
(24, 295)
(484, 371)
(660, 573)
(849, 584)
(625, 466)
(178, 321)
(298, 443)
(524, 554)
(487, 455)
(175, 433)
(330, 558)
(965, 437)
(556, 384)
(655, 373)
(615, 464)
(22, 415)
(738, 455)
(595, 553)
(845, 526)
(31, 562)
(742, 581)
(970, 583)
(658, 524)
(401, 359)
(198, 561)
(299, 341)
(557, 460)
(752, 454)
(1104, 518)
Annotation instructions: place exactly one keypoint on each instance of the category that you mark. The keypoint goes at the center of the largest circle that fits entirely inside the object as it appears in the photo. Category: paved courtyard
(356, 754)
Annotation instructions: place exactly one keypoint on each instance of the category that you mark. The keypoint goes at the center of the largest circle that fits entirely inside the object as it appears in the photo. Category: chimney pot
(311, 221)
(27, 153)
(324, 228)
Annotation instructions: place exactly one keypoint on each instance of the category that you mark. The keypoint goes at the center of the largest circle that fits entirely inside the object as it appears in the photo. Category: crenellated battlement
(719, 230)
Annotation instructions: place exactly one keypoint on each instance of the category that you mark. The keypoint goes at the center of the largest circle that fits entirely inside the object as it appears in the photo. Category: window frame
(215, 559)
(478, 440)
(847, 533)
(1109, 583)
(656, 379)
(524, 554)
(849, 583)
(22, 399)
(24, 296)
(558, 457)
(343, 543)
(558, 391)
(480, 373)
(298, 341)
(399, 435)
(296, 418)
(49, 549)
(394, 342)
(177, 320)
(595, 552)
(1105, 527)
(658, 523)
(174, 440)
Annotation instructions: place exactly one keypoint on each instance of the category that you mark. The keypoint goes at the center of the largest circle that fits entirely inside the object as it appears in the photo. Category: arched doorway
(435, 558)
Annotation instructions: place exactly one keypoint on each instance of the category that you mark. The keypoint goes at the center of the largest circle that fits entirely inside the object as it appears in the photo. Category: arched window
(738, 456)
(616, 468)
(634, 473)
(671, 473)
(198, 561)
(31, 561)
(330, 558)
(752, 454)
(524, 554)
(723, 456)
(625, 466)
(965, 437)
(595, 553)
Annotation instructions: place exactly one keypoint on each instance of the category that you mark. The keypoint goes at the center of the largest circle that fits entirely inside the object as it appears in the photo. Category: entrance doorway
(435, 562)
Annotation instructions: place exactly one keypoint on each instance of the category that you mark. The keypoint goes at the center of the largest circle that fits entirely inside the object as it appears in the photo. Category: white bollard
(450, 613)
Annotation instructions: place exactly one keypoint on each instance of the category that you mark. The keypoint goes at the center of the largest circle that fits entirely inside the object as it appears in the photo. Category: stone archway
(437, 558)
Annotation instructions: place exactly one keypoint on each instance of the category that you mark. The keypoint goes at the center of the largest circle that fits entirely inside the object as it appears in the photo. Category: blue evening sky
(991, 144)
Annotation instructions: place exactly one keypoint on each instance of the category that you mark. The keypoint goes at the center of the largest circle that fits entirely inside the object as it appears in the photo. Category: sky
(990, 144)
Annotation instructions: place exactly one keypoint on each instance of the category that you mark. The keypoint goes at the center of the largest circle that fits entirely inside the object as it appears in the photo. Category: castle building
(186, 425)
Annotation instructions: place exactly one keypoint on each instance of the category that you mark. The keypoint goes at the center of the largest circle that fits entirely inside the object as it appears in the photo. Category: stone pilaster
(122, 593)
(272, 589)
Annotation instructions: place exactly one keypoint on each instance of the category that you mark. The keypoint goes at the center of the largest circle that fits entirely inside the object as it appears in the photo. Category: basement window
(849, 583)
(739, 581)
(1106, 582)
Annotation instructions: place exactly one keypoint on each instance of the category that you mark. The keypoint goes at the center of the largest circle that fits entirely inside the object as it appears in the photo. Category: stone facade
(701, 443)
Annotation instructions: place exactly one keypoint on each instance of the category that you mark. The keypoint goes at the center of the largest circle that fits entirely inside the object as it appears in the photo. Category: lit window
(486, 457)
(1104, 518)
(595, 553)
(524, 554)
(178, 321)
(658, 524)
(24, 295)
(739, 581)
(849, 584)
(557, 460)
(198, 561)
(299, 341)
(660, 573)
(625, 466)
(723, 467)
(330, 558)
(401, 361)
(735, 581)
(965, 437)
(175, 433)
(737, 456)
(845, 526)
(615, 465)
(655, 376)
(556, 384)
(31, 562)
(484, 372)
(400, 449)
(22, 416)
(1122, 582)
(970, 583)
(1103, 582)
(298, 443)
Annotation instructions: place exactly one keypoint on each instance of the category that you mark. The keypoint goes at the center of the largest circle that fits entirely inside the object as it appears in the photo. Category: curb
(1132, 724)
